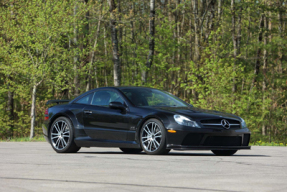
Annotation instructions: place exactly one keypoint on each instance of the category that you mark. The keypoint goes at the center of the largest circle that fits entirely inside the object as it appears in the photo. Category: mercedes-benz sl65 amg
(137, 119)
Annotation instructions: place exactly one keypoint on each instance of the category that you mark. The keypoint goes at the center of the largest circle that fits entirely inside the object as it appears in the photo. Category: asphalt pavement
(35, 166)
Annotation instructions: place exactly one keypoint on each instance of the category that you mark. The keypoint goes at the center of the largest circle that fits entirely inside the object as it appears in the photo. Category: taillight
(46, 115)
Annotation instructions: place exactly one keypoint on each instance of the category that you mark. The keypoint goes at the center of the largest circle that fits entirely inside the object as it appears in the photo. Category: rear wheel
(153, 137)
(130, 150)
(224, 152)
(62, 136)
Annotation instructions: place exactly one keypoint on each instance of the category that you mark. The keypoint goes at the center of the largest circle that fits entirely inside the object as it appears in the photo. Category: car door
(102, 122)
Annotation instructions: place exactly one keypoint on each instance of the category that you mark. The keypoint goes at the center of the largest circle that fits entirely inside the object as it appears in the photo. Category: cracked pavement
(35, 166)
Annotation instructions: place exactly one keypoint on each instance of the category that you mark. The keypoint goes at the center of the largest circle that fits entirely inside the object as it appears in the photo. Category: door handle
(88, 112)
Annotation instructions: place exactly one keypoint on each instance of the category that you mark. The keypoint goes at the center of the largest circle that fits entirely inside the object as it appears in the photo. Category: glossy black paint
(119, 125)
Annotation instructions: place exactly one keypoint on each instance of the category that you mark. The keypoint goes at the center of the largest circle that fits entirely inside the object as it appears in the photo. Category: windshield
(153, 98)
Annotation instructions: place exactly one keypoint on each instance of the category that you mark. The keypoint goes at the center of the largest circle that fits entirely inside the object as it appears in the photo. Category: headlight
(185, 121)
(243, 124)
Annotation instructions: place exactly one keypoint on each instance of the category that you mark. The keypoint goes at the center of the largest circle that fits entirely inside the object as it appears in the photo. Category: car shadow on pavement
(171, 154)
(211, 154)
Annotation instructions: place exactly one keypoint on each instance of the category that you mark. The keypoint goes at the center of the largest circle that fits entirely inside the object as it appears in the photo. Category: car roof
(115, 88)
(121, 88)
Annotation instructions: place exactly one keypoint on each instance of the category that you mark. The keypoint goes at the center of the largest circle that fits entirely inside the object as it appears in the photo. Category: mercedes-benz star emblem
(225, 124)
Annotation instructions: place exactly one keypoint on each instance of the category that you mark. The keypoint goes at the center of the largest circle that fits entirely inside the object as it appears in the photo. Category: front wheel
(224, 152)
(153, 137)
(62, 136)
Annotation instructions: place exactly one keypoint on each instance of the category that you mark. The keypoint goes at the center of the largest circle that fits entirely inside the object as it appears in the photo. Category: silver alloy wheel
(151, 137)
(60, 134)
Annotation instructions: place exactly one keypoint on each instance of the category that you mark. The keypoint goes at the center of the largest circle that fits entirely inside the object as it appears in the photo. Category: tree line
(221, 55)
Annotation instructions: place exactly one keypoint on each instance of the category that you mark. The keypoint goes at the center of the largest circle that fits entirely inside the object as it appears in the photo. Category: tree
(151, 41)
(114, 35)
(36, 34)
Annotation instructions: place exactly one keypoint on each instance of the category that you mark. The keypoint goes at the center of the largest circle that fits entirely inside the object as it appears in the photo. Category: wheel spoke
(57, 143)
(149, 144)
(63, 126)
(61, 140)
(155, 145)
(145, 141)
(152, 127)
(64, 142)
(147, 131)
(159, 136)
(155, 141)
(55, 137)
(57, 127)
(159, 132)
(66, 132)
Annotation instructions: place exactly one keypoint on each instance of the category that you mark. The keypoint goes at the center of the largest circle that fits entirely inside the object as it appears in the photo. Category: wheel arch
(66, 114)
(161, 117)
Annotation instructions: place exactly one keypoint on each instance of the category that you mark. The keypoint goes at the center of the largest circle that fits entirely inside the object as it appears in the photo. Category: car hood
(198, 113)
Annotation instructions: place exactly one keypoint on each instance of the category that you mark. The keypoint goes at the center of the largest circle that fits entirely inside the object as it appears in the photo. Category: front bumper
(208, 139)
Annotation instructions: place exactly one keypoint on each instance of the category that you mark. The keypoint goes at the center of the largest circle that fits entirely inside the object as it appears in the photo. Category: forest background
(226, 55)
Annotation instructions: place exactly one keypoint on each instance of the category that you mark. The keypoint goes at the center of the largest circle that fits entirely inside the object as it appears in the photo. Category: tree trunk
(33, 115)
(10, 109)
(267, 34)
(116, 56)
(106, 55)
(196, 34)
(234, 43)
(134, 63)
(264, 74)
(258, 54)
(196, 57)
(219, 11)
(151, 41)
(88, 86)
(76, 54)
(280, 29)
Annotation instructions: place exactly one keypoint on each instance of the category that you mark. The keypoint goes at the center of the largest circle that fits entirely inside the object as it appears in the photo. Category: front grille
(216, 123)
(223, 141)
(246, 139)
(192, 139)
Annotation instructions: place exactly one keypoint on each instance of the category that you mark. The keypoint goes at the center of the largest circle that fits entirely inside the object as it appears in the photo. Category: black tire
(131, 150)
(151, 143)
(224, 152)
(62, 136)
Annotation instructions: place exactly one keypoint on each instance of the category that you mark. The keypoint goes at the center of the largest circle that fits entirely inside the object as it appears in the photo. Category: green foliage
(261, 143)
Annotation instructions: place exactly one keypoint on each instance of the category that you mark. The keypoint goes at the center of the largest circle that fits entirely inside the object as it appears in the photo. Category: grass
(262, 143)
(24, 139)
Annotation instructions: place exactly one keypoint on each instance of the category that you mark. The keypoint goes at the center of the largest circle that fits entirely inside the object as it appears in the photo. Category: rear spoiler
(57, 101)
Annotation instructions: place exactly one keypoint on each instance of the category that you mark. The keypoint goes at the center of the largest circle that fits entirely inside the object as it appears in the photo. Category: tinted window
(86, 99)
(152, 97)
(103, 98)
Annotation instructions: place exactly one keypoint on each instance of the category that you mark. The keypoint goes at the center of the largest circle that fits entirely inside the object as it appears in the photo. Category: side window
(103, 98)
(86, 99)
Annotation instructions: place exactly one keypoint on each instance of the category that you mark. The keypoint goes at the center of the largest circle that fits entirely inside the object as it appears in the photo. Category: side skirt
(89, 142)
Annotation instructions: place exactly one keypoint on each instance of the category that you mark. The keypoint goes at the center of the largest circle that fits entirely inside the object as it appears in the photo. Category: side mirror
(117, 105)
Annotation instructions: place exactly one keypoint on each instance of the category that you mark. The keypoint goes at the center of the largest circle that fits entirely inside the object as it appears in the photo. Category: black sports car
(139, 118)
